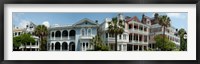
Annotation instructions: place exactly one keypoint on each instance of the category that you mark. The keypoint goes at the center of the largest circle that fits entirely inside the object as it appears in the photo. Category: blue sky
(178, 20)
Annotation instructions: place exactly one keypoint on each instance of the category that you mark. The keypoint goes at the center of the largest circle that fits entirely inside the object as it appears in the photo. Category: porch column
(54, 47)
(133, 37)
(50, 47)
(54, 36)
(143, 38)
(147, 47)
(142, 47)
(60, 47)
(88, 45)
(68, 47)
(85, 46)
(143, 27)
(61, 34)
(68, 34)
(138, 38)
(122, 47)
(133, 47)
(82, 46)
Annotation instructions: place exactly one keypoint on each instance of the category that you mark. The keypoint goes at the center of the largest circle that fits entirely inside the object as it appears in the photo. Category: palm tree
(116, 26)
(42, 32)
(164, 21)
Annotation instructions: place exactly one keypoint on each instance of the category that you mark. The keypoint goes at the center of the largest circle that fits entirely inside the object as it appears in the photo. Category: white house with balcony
(76, 37)
(122, 39)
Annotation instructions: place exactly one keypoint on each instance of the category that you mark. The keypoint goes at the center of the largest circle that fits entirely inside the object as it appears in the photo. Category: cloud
(23, 23)
(16, 16)
(46, 23)
(176, 15)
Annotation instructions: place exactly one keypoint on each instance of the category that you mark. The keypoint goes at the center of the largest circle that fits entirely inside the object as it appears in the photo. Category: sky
(20, 19)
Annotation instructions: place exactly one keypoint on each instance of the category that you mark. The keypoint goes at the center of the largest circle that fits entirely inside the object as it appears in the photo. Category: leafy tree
(164, 21)
(16, 43)
(42, 32)
(183, 43)
(159, 43)
(115, 27)
(98, 44)
(25, 39)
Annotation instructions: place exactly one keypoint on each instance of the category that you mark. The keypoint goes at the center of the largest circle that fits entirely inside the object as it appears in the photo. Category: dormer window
(31, 26)
(26, 26)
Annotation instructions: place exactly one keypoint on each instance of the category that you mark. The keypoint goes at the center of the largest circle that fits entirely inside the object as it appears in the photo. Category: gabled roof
(135, 18)
(85, 20)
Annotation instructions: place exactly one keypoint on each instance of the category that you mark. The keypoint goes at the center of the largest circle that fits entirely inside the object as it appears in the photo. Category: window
(145, 38)
(106, 35)
(124, 47)
(135, 26)
(130, 26)
(83, 44)
(145, 29)
(111, 35)
(58, 33)
(120, 36)
(33, 43)
(124, 36)
(141, 27)
(130, 37)
(140, 37)
(15, 33)
(83, 31)
(136, 37)
(37, 42)
(64, 33)
(119, 47)
(52, 34)
(86, 45)
(18, 33)
(89, 31)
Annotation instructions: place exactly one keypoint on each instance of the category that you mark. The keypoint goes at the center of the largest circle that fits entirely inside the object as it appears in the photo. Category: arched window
(52, 34)
(71, 46)
(64, 46)
(72, 33)
(57, 46)
(82, 31)
(65, 33)
(89, 31)
(58, 33)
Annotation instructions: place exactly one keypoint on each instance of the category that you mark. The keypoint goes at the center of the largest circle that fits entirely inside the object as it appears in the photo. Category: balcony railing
(72, 37)
(64, 38)
(86, 37)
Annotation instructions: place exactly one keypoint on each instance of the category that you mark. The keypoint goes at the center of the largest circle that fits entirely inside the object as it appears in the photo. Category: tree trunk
(41, 43)
(163, 39)
(115, 42)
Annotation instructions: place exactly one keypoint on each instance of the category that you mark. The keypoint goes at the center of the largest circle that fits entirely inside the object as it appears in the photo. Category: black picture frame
(2, 2)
